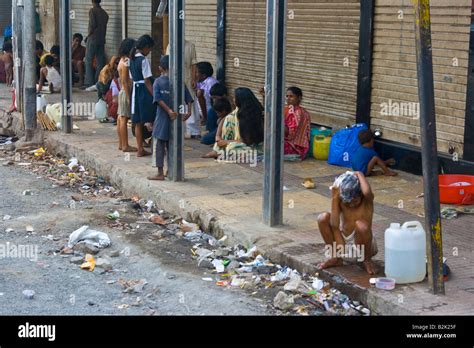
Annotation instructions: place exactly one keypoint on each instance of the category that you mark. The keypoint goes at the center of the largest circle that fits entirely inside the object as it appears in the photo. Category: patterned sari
(298, 121)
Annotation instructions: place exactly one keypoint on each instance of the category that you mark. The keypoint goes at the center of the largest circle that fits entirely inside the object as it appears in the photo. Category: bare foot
(129, 149)
(390, 162)
(120, 148)
(157, 177)
(390, 173)
(211, 154)
(369, 267)
(143, 154)
(335, 262)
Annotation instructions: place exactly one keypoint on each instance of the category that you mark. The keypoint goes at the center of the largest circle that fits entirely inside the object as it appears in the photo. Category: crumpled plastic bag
(96, 238)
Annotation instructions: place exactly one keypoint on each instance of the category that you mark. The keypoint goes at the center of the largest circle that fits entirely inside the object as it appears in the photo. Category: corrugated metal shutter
(322, 53)
(395, 76)
(139, 18)
(5, 15)
(201, 21)
(114, 27)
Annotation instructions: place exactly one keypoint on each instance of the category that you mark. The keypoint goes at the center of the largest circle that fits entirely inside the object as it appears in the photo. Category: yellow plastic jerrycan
(321, 147)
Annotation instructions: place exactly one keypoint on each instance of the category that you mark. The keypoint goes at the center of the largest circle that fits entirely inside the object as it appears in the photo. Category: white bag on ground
(96, 238)
(101, 111)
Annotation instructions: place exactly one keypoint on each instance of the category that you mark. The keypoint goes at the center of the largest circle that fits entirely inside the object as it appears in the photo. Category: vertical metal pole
(220, 54)
(176, 26)
(274, 109)
(66, 73)
(124, 19)
(429, 150)
(364, 78)
(29, 106)
(17, 9)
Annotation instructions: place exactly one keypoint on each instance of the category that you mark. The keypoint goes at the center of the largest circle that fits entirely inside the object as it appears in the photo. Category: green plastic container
(314, 132)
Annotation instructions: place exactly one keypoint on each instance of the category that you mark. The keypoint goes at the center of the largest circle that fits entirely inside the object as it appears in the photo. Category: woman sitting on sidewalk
(297, 124)
(242, 130)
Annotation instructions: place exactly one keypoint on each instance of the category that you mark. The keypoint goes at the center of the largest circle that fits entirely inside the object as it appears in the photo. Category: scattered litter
(73, 163)
(113, 216)
(29, 228)
(294, 283)
(208, 279)
(189, 227)
(283, 301)
(29, 294)
(123, 306)
(133, 285)
(8, 230)
(96, 238)
(238, 282)
(6, 217)
(89, 264)
(27, 193)
(317, 284)
(308, 183)
(220, 268)
(157, 219)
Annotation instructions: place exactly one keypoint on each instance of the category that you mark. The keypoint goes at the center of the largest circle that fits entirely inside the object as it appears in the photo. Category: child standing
(365, 159)
(8, 60)
(164, 116)
(143, 110)
(204, 72)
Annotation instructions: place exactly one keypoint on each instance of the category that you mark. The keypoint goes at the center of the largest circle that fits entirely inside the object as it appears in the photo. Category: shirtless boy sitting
(350, 220)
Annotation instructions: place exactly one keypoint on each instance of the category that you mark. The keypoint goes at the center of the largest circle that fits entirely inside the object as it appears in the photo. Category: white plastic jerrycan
(405, 252)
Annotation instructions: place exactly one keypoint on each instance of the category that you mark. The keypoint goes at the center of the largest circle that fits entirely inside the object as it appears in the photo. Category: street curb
(177, 206)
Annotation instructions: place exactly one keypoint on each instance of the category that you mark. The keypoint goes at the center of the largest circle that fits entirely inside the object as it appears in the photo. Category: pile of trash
(65, 173)
(246, 268)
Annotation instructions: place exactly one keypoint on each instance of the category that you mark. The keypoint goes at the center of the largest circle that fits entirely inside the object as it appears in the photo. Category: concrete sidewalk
(227, 199)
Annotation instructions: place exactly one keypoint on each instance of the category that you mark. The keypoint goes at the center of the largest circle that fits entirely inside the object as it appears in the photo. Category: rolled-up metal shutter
(321, 58)
(394, 71)
(5, 15)
(80, 23)
(201, 21)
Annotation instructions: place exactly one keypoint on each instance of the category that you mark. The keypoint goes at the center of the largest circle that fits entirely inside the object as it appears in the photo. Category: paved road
(175, 285)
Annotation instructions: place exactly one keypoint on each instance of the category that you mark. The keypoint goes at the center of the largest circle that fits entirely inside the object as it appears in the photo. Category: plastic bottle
(405, 252)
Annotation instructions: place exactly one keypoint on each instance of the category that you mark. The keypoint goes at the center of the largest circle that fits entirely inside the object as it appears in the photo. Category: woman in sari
(297, 124)
(241, 130)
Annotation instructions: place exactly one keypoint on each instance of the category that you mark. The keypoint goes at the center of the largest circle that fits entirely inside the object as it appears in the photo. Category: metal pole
(274, 108)
(17, 40)
(176, 28)
(124, 19)
(66, 73)
(29, 106)
(429, 150)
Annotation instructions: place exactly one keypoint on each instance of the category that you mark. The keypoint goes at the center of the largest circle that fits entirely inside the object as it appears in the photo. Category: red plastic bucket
(456, 189)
